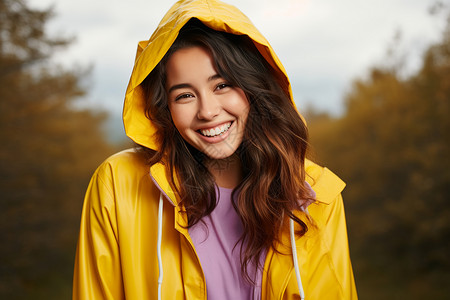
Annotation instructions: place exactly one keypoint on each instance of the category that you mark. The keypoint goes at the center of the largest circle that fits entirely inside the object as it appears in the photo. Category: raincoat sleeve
(97, 273)
(335, 236)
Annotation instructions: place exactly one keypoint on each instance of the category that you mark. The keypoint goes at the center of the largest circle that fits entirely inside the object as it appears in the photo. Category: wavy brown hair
(272, 152)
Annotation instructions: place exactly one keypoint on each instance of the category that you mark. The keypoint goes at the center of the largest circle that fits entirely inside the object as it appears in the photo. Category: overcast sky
(323, 44)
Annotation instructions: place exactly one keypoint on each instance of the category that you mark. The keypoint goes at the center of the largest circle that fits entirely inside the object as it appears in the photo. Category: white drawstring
(158, 249)
(294, 258)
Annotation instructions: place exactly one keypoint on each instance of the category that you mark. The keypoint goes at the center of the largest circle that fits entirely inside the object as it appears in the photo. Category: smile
(216, 131)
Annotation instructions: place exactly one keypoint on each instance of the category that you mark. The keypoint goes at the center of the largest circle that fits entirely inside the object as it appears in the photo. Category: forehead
(189, 63)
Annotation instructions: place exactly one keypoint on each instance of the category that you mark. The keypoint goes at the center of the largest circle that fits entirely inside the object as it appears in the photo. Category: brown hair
(272, 152)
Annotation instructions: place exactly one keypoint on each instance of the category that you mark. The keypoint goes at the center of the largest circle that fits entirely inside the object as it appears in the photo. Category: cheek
(180, 117)
(241, 106)
(176, 118)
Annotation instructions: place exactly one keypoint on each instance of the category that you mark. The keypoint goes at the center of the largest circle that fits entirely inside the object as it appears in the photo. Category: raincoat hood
(212, 13)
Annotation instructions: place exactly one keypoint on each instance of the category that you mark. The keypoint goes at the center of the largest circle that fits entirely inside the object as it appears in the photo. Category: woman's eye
(222, 86)
(183, 96)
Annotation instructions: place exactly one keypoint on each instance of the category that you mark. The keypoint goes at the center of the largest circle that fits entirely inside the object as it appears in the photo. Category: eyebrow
(187, 85)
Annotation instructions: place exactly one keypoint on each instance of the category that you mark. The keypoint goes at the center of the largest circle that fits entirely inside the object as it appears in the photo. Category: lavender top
(215, 241)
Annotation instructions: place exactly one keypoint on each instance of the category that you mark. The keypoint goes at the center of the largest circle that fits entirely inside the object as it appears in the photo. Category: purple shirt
(215, 241)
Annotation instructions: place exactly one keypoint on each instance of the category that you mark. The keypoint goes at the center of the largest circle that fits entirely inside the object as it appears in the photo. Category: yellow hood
(214, 14)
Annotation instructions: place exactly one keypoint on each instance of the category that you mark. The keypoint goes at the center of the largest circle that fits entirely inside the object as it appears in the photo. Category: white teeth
(216, 131)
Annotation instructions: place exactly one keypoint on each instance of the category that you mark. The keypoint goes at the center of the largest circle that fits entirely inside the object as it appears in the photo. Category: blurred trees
(392, 147)
(49, 150)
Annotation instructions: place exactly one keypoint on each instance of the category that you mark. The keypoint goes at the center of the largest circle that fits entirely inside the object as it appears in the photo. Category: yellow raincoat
(117, 253)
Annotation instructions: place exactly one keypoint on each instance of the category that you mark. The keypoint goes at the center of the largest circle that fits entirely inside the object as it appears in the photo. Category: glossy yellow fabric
(116, 254)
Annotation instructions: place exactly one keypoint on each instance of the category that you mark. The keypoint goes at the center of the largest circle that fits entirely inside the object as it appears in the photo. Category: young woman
(218, 200)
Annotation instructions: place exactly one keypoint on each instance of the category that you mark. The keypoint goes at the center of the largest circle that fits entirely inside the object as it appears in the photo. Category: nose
(208, 107)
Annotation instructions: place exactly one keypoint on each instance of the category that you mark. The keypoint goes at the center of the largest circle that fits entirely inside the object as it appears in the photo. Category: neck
(227, 172)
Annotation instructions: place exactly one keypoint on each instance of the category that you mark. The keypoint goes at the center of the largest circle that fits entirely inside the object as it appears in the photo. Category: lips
(215, 131)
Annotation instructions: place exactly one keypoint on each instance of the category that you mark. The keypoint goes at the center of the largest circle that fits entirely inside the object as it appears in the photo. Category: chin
(219, 154)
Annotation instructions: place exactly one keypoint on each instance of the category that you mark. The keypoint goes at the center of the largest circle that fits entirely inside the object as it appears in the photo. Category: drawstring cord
(158, 249)
(294, 258)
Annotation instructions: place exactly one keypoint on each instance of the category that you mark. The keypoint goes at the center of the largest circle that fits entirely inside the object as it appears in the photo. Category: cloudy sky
(323, 44)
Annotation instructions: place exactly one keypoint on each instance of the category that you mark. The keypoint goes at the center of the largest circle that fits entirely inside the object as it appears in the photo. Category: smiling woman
(219, 140)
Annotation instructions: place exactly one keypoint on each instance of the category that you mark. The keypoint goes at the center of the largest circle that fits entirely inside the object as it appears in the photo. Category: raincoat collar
(326, 185)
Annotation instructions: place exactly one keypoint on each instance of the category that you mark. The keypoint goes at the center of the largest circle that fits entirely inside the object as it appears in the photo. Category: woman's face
(208, 112)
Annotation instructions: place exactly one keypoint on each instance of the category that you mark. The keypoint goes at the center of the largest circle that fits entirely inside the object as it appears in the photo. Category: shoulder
(120, 173)
(328, 209)
(121, 182)
(127, 163)
(324, 182)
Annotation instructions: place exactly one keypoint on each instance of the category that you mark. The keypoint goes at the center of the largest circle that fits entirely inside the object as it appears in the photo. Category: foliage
(392, 148)
(49, 150)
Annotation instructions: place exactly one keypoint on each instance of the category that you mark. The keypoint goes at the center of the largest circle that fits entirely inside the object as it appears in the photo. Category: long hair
(272, 152)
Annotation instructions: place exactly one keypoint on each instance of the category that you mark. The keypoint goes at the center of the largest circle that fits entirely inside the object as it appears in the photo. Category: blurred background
(372, 79)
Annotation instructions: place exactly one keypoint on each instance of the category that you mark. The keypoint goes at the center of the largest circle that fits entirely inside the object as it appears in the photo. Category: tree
(49, 150)
(391, 146)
